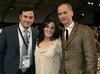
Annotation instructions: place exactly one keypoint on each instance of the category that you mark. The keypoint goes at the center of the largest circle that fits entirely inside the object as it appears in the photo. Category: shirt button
(66, 59)
(66, 49)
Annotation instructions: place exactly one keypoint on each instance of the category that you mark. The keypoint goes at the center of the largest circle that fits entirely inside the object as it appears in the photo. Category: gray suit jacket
(79, 52)
(9, 49)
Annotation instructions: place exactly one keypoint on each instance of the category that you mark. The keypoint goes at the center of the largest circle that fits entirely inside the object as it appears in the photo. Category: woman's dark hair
(56, 34)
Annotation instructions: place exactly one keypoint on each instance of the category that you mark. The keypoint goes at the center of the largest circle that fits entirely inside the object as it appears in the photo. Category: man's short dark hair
(27, 8)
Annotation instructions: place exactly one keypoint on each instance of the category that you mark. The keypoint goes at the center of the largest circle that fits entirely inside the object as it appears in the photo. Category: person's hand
(0, 30)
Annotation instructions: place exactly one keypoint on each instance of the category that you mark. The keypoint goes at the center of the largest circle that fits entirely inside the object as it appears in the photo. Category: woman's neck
(46, 39)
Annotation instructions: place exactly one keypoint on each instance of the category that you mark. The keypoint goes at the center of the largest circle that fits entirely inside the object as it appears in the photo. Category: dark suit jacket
(79, 52)
(9, 49)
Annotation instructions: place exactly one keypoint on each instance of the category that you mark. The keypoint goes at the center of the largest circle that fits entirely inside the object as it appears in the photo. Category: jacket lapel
(73, 33)
(15, 37)
(63, 39)
(33, 40)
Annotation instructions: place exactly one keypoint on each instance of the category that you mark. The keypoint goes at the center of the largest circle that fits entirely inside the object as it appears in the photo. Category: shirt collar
(71, 26)
(22, 28)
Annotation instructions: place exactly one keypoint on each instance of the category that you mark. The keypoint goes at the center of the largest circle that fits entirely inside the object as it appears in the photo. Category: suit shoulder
(10, 27)
(36, 32)
(82, 26)
(85, 29)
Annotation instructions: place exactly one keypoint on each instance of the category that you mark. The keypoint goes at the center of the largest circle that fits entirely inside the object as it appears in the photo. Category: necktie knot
(26, 31)
(26, 36)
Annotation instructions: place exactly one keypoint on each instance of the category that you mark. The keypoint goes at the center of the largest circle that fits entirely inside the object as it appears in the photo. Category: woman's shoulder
(57, 41)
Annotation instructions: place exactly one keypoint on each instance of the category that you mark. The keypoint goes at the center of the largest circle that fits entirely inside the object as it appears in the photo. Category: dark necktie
(66, 34)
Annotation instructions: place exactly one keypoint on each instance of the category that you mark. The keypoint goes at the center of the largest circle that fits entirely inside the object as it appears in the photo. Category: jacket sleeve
(89, 48)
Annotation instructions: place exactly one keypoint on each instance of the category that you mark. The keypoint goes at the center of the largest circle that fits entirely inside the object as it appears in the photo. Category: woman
(48, 51)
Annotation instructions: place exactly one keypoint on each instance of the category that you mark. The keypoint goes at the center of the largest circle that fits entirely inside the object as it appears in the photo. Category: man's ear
(72, 13)
(20, 17)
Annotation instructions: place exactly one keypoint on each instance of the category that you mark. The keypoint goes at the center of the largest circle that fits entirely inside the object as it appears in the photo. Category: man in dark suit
(79, 50)
(13, 44)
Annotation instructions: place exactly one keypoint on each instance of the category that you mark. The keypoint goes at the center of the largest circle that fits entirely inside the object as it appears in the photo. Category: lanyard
(23, 38)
